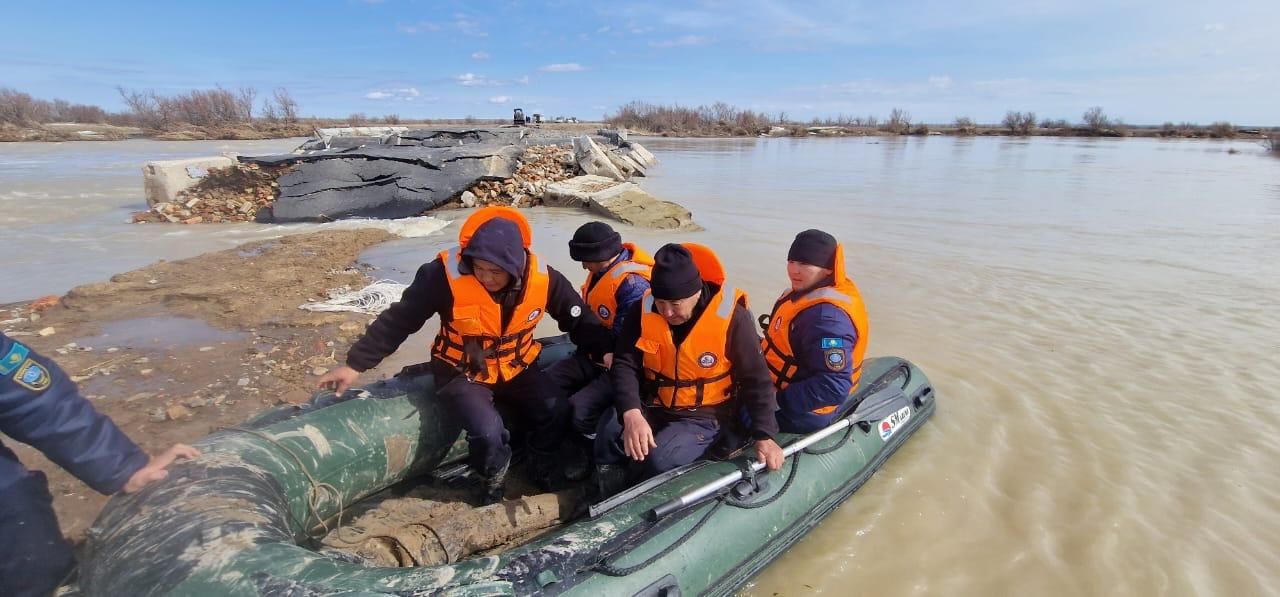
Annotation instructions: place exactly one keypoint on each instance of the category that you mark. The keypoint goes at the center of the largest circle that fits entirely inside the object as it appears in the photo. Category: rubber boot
(577, 463)
(494, 488)
(609, 479)
(545, 470)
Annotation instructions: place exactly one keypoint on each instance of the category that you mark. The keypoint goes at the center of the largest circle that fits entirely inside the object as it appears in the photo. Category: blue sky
(1143, 61)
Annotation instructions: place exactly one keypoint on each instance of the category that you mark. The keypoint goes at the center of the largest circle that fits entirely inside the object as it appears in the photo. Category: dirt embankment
(178, 349)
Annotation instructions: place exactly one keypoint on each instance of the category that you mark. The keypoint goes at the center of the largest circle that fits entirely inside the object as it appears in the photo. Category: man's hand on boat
(338, 379)
(155, 468)
(770, 453)
(637, 435)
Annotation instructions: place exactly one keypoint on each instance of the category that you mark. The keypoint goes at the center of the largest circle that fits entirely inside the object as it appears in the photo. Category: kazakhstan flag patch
(14, 358)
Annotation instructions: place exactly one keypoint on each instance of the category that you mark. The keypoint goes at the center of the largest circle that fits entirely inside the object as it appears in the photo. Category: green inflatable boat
(244, 518)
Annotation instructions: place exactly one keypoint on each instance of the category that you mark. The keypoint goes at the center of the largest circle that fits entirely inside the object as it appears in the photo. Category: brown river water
(1100, 318)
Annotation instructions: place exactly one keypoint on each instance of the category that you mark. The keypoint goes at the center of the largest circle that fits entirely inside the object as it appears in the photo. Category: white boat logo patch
(891, 423)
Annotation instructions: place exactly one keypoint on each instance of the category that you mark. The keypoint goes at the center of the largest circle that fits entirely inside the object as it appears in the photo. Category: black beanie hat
(814, 247)
(595, 241)
(674, 274)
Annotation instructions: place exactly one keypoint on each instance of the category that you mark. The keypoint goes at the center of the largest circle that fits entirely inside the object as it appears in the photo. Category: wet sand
(176, 350)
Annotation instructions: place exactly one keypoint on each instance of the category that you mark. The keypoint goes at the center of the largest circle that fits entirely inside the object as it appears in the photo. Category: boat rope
(848, 432)
(372, 299)
(606, 566)
(314, 493)
(747, 505)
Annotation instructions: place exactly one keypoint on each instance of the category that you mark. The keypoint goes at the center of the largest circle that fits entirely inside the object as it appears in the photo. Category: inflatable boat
(245, 517)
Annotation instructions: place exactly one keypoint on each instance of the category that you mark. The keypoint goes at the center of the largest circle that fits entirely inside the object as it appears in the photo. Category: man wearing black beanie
(687, 359)
(617, 278)
(490, 292)
(816, 335)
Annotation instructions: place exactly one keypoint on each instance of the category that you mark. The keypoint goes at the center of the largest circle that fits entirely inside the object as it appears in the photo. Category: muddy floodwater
(1100, 317)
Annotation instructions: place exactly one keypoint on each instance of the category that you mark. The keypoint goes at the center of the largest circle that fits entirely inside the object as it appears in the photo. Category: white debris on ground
(372, 299)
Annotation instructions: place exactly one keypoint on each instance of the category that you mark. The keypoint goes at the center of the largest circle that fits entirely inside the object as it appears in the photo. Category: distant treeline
(722, 119)
(216, 113)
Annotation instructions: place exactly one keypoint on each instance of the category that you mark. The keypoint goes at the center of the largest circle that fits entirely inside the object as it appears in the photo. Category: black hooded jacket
(497, 241)
(753, 387)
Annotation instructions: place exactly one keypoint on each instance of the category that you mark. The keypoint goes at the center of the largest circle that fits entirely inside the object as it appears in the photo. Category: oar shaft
(701, 493)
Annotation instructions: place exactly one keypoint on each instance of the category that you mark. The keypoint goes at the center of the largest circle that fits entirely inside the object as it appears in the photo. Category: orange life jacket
(778, 352)
(602, 298)
(477, 318)
(697, 373)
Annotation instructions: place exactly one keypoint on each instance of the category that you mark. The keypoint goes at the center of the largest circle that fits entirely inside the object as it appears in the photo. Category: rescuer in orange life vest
(816, 335)
(490, 293)
(687, 360)
(618, 278)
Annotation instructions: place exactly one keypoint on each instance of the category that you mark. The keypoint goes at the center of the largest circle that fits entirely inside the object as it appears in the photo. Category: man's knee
(589, 403)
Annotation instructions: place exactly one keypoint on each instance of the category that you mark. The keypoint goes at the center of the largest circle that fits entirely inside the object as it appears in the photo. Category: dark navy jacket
(629, 292)
(41, 407)
(817, 331)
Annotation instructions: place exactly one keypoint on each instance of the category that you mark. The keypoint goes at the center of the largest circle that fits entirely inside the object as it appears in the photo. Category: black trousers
(529, 395)
(34, 558)
(681, 439)
(588, 389)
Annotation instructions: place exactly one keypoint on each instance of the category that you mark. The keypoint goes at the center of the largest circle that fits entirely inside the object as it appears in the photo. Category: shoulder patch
(17, 354)
(33, 376)
(835, 359)
(575, 311)
(833, 342)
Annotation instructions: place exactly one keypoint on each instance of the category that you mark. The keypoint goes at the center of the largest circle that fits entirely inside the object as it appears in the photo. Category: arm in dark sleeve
(426, 296)
(751, 374)
(629, 292)
(627, 361)
(41, 407)
(565, 305)
(823, 338)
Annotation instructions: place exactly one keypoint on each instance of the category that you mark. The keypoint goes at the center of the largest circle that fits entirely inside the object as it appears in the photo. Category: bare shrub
(719, 118)
(965, 126)
(22, 109)
(357, 118)
(1222, 130)
(244, 101)
(287, 107)
(899, 121)
(1051, 123)
(1096, 120)
(391, 119)
(1019, 123)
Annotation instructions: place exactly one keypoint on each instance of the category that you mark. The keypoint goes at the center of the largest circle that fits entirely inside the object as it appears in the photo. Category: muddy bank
(178, 349)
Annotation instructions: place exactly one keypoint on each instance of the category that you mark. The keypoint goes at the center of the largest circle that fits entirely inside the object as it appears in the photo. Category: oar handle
(701, 493)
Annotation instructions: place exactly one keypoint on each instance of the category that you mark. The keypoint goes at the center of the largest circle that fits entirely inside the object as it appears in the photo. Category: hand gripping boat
(239, 519)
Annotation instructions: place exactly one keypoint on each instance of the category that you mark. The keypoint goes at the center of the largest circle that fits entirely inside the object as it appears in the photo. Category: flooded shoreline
(1096, 315)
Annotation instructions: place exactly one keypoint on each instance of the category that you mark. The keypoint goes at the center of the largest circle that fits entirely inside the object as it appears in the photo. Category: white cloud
(479, 55)
(407, 94)
(940, 81)
(569, 67)
(604, 29)
(682, 41)
(523, 80)
(416, 28)
(1215, 27)
(474, 80)
(499, 99)
(468, 26)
